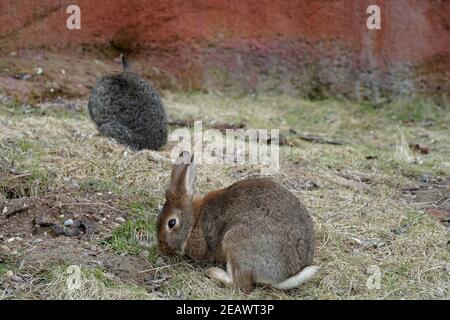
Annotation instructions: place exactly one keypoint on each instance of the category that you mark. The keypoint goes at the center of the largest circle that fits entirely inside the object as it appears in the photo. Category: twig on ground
(89, 204)
(315, 139)
(9, 214)
(18, 176)
(181, 123)
(158, 158)
(163, 267)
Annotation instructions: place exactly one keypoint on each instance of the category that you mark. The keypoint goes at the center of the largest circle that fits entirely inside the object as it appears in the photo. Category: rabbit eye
(172, 223)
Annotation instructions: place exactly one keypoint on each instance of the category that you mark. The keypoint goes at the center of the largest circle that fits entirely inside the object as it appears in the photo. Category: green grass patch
(136, 233)
(3, 269)
(414, 110)
(99, 185)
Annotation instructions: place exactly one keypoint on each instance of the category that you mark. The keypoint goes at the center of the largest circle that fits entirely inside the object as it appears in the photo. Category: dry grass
(358, 198)
(91, 284)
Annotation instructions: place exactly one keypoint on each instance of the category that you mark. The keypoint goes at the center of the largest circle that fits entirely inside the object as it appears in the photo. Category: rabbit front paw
(220, 275)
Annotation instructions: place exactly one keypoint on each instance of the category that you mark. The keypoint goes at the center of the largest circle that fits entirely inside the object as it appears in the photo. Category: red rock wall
(306, 47)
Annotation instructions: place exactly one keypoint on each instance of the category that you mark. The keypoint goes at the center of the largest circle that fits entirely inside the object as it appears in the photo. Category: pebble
(10, 240)
(369, 243)
(9, 274)
(425, 178)
(36, 241)
(68, 222)
(120, 220)
(22, 76)
(311, 185)
(16, 278)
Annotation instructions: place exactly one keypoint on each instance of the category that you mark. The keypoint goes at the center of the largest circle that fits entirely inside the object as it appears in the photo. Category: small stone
(311, 185)
(68, 222)
(22, 76)
(369, 243)
(10, 240)
(120, 220)
(5, 210)
(9, 274)
(36, 241)
(425, 178)
(39, 71)
(16, 278)
(61, 216)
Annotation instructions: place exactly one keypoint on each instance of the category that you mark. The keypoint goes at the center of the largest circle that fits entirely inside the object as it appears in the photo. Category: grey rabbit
(125, 107)
(256, 227)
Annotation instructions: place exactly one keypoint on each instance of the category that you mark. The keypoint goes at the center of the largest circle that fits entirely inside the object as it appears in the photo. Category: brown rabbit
(256, 227)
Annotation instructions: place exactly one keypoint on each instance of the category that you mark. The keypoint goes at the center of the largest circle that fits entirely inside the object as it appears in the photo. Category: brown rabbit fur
(256, 227)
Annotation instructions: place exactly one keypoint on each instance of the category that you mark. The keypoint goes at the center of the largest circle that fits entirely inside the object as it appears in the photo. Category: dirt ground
(376, 180)
(33, 232)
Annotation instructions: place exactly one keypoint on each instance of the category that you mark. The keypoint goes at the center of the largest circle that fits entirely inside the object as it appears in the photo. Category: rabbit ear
(126, 66)
(190, 179)
(183, 175)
